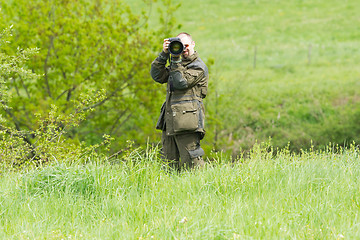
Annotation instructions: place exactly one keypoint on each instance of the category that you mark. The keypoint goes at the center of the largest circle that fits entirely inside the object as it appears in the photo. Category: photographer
(182, 114)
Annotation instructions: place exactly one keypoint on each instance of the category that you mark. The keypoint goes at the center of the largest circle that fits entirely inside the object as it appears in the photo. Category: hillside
(282, 69)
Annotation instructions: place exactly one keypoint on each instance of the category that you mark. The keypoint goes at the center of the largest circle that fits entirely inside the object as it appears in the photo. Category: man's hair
(186, 34)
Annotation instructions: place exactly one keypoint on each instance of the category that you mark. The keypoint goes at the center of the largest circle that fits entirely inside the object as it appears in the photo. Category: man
(182, 114)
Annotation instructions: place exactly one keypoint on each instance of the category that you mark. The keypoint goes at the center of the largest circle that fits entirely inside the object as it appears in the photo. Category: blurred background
(281, 70)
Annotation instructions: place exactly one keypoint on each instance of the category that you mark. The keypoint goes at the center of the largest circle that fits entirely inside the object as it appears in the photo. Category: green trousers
(182, 150)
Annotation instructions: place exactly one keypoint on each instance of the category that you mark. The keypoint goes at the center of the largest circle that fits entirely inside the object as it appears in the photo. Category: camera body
(176, 47)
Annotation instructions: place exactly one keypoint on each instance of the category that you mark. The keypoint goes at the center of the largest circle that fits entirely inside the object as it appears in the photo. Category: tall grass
(312, 195)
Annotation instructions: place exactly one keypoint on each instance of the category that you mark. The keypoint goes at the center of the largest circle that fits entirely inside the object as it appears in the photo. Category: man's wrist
(164, 56)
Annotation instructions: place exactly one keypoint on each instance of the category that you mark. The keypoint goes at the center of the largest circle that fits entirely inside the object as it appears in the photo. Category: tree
(21, 148)
(85, 46)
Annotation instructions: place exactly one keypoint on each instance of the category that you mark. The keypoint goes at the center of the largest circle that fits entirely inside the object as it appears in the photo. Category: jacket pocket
(185, 116)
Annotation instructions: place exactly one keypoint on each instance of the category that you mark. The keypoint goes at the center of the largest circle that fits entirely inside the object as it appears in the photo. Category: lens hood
(175, 46)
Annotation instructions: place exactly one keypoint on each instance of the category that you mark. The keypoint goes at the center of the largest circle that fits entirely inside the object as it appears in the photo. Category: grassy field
(313, 195)
(303, 86)
(304, 82)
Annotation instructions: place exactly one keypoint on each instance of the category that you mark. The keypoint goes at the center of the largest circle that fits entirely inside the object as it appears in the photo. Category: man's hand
(166, 45)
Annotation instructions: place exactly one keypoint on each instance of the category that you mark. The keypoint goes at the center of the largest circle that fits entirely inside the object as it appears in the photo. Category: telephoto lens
(175, 46)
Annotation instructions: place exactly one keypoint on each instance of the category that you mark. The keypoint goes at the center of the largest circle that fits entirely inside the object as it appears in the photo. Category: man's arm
(158, 71)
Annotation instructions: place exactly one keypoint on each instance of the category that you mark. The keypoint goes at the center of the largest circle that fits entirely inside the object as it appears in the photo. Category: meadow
(313, 195)
(281, 69)
(287, 70)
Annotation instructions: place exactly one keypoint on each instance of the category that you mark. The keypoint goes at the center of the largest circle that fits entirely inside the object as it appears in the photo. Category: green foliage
(83, 47)
(48, 141)
(12, 66)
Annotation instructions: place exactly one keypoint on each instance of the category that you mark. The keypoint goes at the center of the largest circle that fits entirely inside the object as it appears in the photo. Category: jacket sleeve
(159, 72)
(183, 78)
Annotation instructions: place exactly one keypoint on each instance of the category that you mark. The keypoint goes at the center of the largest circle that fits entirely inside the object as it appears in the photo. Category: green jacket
(187, 81)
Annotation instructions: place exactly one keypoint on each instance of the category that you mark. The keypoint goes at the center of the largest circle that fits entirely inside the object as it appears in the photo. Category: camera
(175, 46)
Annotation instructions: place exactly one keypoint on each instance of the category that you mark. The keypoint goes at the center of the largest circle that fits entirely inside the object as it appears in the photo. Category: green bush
(48, 140)
(86, 47)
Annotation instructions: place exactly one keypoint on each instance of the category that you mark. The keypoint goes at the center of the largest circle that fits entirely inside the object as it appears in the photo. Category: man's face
(189, 45)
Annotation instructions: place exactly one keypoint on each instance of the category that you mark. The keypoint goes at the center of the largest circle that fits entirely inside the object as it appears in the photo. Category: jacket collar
(190, 59)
